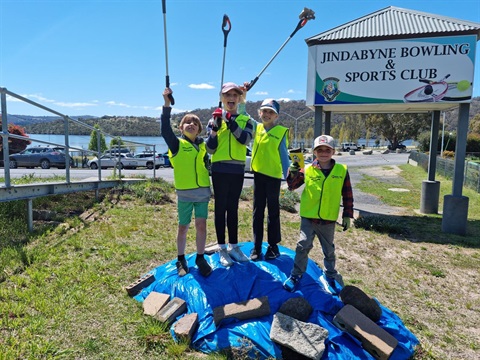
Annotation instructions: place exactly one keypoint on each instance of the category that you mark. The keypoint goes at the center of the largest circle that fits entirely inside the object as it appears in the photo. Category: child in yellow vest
(270, 161)
(229, 134)
(188, 153)
(327, 183)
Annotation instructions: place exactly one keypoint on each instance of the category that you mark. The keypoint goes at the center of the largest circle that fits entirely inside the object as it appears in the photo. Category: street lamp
(296, 119)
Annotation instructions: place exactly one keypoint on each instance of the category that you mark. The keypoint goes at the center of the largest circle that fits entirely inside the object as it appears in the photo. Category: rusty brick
(154, 302)
(242, 310)
(186, 326)
(378, 342)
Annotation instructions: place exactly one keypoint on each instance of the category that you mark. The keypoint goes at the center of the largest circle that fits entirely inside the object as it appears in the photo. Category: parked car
(146, 159)
(399, 146)
(40, 156)
(115, 151)
(166, 159)
(248, 161)
(350, 146)
(109, 161)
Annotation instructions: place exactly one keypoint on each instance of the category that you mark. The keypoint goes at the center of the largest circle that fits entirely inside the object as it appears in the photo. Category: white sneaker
(225, 259)
(237, 254)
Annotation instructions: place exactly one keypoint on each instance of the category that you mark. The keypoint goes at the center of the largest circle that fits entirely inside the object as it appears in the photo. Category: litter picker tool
(226, 27)
(305, 15)
(167, 77)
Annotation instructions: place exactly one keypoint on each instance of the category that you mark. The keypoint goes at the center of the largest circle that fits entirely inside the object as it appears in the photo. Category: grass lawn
(62, 288)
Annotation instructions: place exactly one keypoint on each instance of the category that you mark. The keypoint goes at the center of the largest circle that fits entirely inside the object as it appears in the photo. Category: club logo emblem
(330, 88)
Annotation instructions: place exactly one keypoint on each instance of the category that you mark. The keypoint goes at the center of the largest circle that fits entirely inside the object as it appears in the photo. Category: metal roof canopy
(390, 23)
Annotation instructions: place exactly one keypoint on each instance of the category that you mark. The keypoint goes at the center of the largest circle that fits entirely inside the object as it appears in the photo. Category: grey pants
(325, 233)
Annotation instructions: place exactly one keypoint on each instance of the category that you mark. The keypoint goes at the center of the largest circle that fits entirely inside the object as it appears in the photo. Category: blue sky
(107, 57)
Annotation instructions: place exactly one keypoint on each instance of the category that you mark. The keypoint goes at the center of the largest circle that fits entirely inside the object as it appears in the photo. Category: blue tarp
(245, 281)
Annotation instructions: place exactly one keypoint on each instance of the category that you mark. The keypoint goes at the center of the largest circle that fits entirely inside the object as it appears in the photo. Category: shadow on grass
(420, 228)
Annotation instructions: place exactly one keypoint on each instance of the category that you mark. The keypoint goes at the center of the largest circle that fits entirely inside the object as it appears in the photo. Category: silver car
(119, 161)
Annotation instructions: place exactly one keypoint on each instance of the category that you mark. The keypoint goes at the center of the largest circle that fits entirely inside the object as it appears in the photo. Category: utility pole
(296, 120)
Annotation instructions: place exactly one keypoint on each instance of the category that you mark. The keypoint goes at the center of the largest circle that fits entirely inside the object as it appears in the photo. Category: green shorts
(185, 210)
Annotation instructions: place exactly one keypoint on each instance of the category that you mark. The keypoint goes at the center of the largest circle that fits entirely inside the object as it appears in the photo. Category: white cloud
(113, 103)
(291, 91)
(262, 93)
(284, 99)
(74, 105)
(201, 86)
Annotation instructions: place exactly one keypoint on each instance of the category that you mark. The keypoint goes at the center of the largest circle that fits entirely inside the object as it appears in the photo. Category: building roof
(393, 23)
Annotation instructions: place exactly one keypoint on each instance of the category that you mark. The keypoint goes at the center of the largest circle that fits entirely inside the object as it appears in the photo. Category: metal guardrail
(11, 192)
(445, 167)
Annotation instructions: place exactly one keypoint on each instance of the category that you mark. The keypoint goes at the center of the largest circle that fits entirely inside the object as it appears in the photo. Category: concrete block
(172, 310)
(135, 287)
(379, 343)
(186, 327)
(242, 310)
(304, 338)
(154, 302)
(211, 249)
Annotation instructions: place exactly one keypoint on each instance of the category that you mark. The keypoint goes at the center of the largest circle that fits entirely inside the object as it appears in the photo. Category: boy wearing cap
(326, 184)
(270, 163)
(192, 183)
(230, 132)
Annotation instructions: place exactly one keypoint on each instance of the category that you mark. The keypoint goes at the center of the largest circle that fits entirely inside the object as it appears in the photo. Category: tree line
(393, 128)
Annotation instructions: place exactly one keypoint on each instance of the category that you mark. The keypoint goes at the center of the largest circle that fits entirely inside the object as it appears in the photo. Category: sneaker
(182, 267)
(237, 254)
(291, 283)
(255, 254)
(225, 259)
(330, 285)
(272, 252)
(203, 266)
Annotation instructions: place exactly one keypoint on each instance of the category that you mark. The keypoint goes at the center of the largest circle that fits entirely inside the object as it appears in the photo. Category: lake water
(137, 143)
(141, 143)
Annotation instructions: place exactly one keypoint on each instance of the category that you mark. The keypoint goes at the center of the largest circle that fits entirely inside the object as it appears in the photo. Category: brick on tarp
(154, 302)
(211, 249)
(378, 342)
(135, 287)
(186, 326)
(172, 310)
(242, 310)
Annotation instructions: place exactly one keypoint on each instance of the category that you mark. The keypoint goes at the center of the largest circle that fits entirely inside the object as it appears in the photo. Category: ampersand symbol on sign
(390, 64)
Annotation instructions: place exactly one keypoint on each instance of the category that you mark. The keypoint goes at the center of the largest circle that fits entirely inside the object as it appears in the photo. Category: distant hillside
(149, 126)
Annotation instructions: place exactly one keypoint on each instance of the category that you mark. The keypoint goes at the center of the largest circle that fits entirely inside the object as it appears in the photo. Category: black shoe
(203, 266)
(182, 267)
(256, 255)
(272, 252)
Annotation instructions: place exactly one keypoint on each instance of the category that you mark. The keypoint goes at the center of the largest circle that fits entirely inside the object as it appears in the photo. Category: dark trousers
(227, 189)
(266, 192)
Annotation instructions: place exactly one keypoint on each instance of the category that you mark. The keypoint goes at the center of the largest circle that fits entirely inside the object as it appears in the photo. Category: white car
(108, 161)
(146, 160)
(350, 146)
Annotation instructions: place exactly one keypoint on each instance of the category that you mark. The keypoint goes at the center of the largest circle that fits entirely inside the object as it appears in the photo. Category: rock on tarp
(249, 280)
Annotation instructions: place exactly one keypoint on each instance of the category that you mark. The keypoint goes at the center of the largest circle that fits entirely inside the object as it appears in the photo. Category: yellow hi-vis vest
(228, 147)
(321, 195)
(189, 171)
(266, 154)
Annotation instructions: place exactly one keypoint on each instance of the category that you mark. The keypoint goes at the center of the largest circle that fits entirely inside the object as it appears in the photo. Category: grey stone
(307, 339)
(298, 308)
(352, 295)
